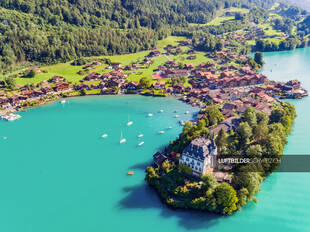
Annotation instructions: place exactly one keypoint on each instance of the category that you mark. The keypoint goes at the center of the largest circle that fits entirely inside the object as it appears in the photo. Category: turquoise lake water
(58, 175)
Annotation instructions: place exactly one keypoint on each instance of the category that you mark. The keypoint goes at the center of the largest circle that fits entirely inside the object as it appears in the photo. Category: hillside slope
(59, 30)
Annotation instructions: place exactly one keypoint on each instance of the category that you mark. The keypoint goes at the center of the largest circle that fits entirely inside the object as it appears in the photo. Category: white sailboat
(104, 136)
(150, 115)
(122, 140)
(129, 123)
(140, 144)
(161, 132)
(176, 116)
(169, 127)
(187, 112)
(140, 135)
(161, 111)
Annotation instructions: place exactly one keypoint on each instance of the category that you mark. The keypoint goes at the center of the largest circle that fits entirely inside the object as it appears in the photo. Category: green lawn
(71, 72)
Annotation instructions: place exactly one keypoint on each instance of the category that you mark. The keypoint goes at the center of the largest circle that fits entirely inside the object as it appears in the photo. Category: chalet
(117, 74)
(159, 85)
(101, 85)
(113, 82)
(128, 67)
(178, 88)
(159, 158)
(132, 86)
(222, 177)
(94, 86)
(62, 86)
(105, 76)
(92, 77)
(147, 60)
(56, 79)
(171, 63)
(295, 84)
(265, 108)
(191, 57)
(199, 155)
(47, 90)
(154, 53)
(82, 86)
(227, 74)
(97, 63)
(116, 65)
(189, 66)
(3, 101)
(191, 51)
(35, 68)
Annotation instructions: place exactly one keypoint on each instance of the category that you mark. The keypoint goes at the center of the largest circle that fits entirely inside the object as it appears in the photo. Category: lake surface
(57, 174)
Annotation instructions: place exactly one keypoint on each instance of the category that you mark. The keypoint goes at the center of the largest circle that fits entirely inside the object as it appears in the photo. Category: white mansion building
(199, 155)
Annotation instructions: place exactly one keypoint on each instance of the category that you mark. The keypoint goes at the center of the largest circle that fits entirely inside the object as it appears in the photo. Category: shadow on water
(144, 197)
(141, 166)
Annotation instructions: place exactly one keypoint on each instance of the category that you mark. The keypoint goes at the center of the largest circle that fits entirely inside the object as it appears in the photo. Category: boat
(4, 138)
(140, 135)
(104, 136)
(63, 101)
(140, 144)
(130, 173)
(161, 132)
(182, 123)
(176, 116)
(129, 123)
(187, 112)
(150, 115)
(161, 111)
(169, 127)
(122, 140)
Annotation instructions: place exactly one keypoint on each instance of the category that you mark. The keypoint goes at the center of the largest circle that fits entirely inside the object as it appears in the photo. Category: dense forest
(55, 31)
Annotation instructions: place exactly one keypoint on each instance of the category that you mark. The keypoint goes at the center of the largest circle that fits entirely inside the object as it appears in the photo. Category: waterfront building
(199, 155)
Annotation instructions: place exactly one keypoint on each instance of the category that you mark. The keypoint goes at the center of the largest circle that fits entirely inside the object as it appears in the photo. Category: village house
(199, 155)
(62, 86)
(113, 82)
(82, 86)
(191, 57)
(154, 53)
(92, 77)
(116, 65)
(35, 68)
(118, 74)
(189, 66)
(132, 86)
(159, 158)
(159, 85)
(4, 101)
(47, 90)
(178, 88)
(56, 79)
(231, 123)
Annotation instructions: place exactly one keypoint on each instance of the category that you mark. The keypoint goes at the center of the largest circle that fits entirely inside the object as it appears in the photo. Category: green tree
(226, 198)
(213, 115)
(10, 83)
(144, 82)
(245, 132)
(83, 92)
(258, 57)
(221, 139)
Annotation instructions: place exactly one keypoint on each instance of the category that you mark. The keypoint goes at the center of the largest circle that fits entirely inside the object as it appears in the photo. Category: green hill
(52, 31)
